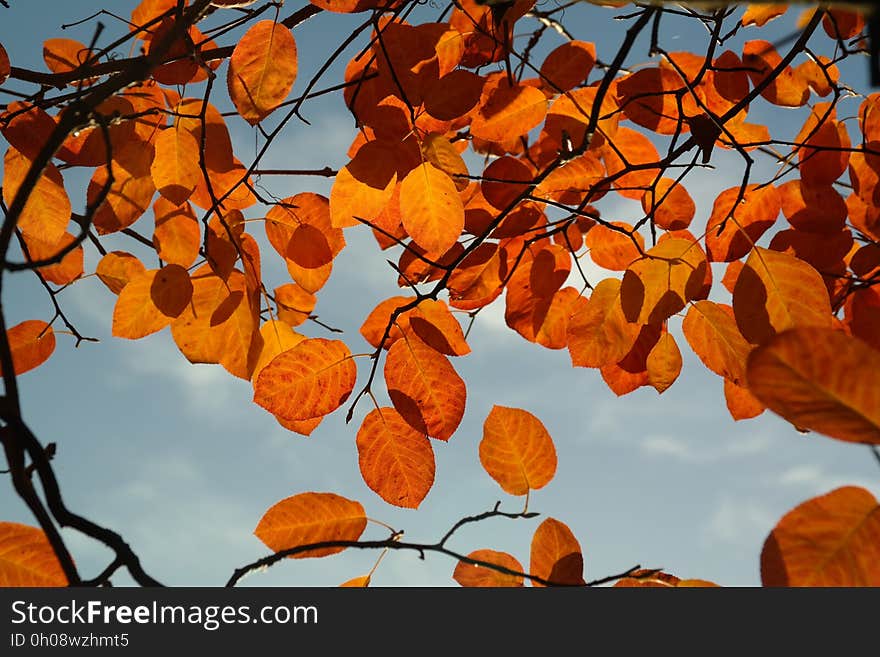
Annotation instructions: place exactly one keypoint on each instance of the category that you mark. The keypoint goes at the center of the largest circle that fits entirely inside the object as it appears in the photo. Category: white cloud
(738, 521)
(688, 451)
(818, 480)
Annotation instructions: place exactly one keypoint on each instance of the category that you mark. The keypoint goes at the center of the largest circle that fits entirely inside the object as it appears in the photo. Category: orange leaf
(613, 249)
(830, 540)
(424, 387)
(453, 95)
(311, 518)
(664, 363)
(647, 98)
(732, 230)
(788, 89)
(5, 68)
(862, 310)
(517, 451)
(47, 210)
(175, 168)
(27, 558)
(295, 304)
(361, 582)
(31, 344)
(658, 285)
(631, 372)
(438, 328)
(262, 70)
(365, 185)
(820, 379)
(396, 461)
(760, 14)
(671, 207)
(131, 191)
(374, 325)
(711, 331)
(277, 337)
(312, 379)
(117, 268)
(467, 574)
(61, 273)
(556, 554)
(814, 208)
(177, 236)
(431, 209)
(741, 403)
(220, 325)
(65, 55)
(777, 291)
(598, 334)
(508, 111)
(631, 147)
(150, 301)
(568, 66)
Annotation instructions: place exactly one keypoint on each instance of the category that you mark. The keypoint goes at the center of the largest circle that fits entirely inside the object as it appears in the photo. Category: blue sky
(178, 459)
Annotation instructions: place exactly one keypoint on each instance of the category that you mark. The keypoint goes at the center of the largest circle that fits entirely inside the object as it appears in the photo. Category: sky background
(178, 459)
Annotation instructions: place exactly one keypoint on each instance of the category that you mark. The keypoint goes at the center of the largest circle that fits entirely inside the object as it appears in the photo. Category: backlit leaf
(424, 387)
(175, 167)
(658, 285)
(150, 301)
(830, 540)
(312, 379)
(27, 558)
(396, 461)
(664, 363)
(117, 268)
(777, 291)
(568, 66)
(467, 574)
(732, 230)
(516, 450)
(31, 343)
(556, 554)
(712, 333)
(599, 333)
(431, 208)
(177, 236)
(262, 70)
(221, 323)
(311, 518)
(508, 111)
(820, 379)
(47, 211)
(741, 403)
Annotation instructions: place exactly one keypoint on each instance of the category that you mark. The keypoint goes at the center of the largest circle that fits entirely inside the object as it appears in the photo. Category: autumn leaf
(27, 558)
(711, 332)
(396, 461)
(150, 301)
(262, 70)
(311, 518)
(516, 450)
(599, 333)
(30, 343)
(424, 387)
(312, 379)
(830, 540)
(556, 555)
(471, 575)
(820, 379)
(777, 291)
(431, 209)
